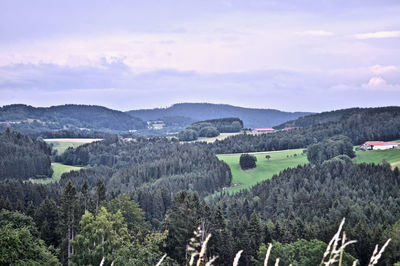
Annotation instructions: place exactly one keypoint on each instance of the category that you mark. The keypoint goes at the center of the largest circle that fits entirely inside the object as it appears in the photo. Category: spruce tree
(100, 193)
(70, 216)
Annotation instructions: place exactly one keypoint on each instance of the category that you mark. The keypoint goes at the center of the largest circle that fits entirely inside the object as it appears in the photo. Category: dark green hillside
(22, 157)
(73, 117)
(204, 111)
(370, 124)
(309, 201)
(323, 117)
(153, 170)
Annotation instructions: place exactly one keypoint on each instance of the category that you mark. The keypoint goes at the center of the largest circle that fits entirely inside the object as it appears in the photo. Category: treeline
(153, 170)
(319, 118)
(210, 128)
(370, 124)
(22, 157)
(30, 119)
(309, 201)
(329, 148)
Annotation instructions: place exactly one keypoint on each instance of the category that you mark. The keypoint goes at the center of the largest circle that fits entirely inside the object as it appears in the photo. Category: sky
(294, 55)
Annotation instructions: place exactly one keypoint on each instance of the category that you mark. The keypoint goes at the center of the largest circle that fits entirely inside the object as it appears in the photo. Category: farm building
(379, 145)
(263, 130)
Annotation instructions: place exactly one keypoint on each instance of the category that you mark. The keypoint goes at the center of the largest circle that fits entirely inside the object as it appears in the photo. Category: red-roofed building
(379, 145)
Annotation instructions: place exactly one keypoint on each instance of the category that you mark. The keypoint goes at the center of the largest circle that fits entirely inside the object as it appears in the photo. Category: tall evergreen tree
(100, 193)
(70, 217)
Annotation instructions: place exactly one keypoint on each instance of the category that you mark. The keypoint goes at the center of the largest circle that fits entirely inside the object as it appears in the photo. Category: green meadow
(281, 160)
(391, 156)
(58, 170)
(62, 144)
(60, 147)
(265, 168)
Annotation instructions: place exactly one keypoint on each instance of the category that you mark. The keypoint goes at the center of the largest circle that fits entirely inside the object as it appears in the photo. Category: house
(263, 130)
(379, 145)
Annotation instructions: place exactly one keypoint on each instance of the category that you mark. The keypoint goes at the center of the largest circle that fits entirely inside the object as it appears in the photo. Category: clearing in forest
(266, 168)
(58, 170)
(62, 144)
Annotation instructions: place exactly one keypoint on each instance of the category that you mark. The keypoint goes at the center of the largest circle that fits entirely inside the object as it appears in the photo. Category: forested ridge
(370, 124)
(319, 118)
(30, 119)
(309, 201)
(22, 157)
(251, 117)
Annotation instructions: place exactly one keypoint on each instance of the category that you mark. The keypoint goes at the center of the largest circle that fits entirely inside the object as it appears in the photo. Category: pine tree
(255, 233)
(100, 193)
(70, 216)
(47, 220)
(182, 220)
(85, 195)
(30, 211)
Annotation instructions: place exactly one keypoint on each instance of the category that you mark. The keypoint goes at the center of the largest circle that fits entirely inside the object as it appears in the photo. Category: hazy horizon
(217, 103)
(297, 55)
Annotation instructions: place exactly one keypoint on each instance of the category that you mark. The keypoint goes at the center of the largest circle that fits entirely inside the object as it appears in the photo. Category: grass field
(219, 137)
(391, 156)
(62, 144)
(281, 160)
(265, 168)
(58, 170)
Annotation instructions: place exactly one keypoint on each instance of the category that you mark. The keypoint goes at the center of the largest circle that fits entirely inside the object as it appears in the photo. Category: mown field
(58, 169)
(265, 168)
(62, 144)
(281, 160)
(391, 156)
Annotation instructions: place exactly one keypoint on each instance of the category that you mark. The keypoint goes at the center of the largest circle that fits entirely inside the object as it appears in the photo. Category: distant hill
(323, 117)
(204, 111)
(72, 117)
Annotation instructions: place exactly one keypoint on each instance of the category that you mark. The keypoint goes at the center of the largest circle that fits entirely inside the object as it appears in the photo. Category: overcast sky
(294, 55)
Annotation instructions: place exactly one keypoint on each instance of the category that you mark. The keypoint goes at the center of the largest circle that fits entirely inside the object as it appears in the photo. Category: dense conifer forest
(30, 119)
(138, 199)
(22, 157)
(369, 124)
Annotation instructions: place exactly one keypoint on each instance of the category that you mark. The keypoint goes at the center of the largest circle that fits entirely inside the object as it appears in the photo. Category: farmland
(391, 156)
(265, 168)
(62, 144)
(281, 160)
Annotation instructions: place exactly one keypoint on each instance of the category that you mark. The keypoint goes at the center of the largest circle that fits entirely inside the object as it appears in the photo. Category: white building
(379, 145)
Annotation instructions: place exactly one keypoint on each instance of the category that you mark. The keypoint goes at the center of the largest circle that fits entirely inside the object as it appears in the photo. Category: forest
(374, 123)
(22, 157)
(210, 128)
(138, 200)
(28, 119)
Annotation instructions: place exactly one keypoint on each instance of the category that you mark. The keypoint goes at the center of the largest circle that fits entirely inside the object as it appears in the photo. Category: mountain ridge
(252, 117)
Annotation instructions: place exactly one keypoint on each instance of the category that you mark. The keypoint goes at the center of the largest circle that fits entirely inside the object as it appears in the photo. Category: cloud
(378, 83)
(321, 33)
(378, 35)
(379, 70)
